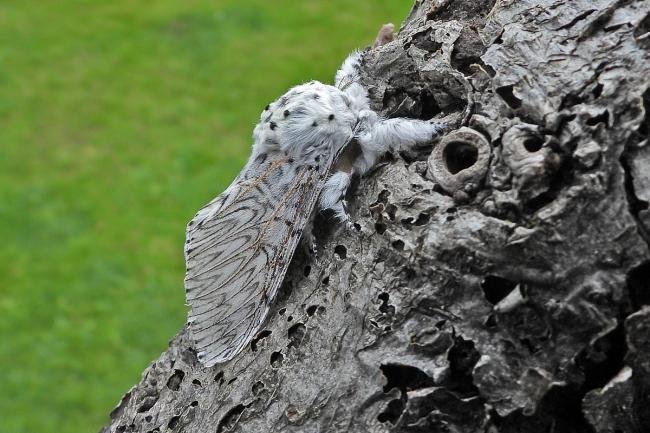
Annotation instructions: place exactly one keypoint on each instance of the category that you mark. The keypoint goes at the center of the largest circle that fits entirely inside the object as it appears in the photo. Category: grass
(118, 120)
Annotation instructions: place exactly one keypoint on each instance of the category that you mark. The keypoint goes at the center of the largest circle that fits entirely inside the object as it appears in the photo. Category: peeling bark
(500, 283)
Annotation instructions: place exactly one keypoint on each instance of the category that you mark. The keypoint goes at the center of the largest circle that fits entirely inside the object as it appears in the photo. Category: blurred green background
(118, 120)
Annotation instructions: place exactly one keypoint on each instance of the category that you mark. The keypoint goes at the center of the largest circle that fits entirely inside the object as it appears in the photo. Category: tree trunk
(499, 282)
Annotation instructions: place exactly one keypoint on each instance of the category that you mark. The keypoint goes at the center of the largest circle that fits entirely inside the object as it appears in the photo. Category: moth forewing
(238, 249)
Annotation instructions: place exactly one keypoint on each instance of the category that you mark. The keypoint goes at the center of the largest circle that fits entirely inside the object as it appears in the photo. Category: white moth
(307, 146)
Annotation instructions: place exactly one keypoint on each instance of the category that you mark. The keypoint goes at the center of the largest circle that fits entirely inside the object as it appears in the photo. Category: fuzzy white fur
(314, 119)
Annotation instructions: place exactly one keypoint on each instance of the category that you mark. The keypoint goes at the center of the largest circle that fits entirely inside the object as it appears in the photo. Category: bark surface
(496, 282)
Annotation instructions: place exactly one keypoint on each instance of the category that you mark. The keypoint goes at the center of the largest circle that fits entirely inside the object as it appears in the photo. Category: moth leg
(348, 77)
(349, 72)
(384, 135)
(332, 196)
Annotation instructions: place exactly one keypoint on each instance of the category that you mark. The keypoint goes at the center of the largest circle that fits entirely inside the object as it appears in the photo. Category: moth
(306, 147)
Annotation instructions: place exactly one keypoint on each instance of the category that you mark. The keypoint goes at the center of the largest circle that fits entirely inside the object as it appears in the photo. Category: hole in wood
(459, 155)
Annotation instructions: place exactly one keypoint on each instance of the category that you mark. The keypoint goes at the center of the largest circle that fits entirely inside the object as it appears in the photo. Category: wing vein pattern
(238, 249)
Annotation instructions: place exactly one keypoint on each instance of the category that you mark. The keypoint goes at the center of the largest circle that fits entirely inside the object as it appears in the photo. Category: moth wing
(237, 251)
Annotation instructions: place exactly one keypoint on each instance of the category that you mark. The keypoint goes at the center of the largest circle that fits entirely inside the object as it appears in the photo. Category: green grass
(118, 120)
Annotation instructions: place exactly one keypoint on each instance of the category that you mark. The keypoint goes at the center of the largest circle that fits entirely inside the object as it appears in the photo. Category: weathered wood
(513, 300)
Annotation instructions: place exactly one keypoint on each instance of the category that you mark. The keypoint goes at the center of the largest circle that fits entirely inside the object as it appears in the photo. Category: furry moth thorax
(309, 119)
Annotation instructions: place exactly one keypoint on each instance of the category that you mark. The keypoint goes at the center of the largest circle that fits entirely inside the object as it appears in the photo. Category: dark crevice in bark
(231, 418)
(404, 377)
(634, 203)
(638, 284)
(601, 362)
(560, 412)
(506, 93)
(496, 288)
(462, 356)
